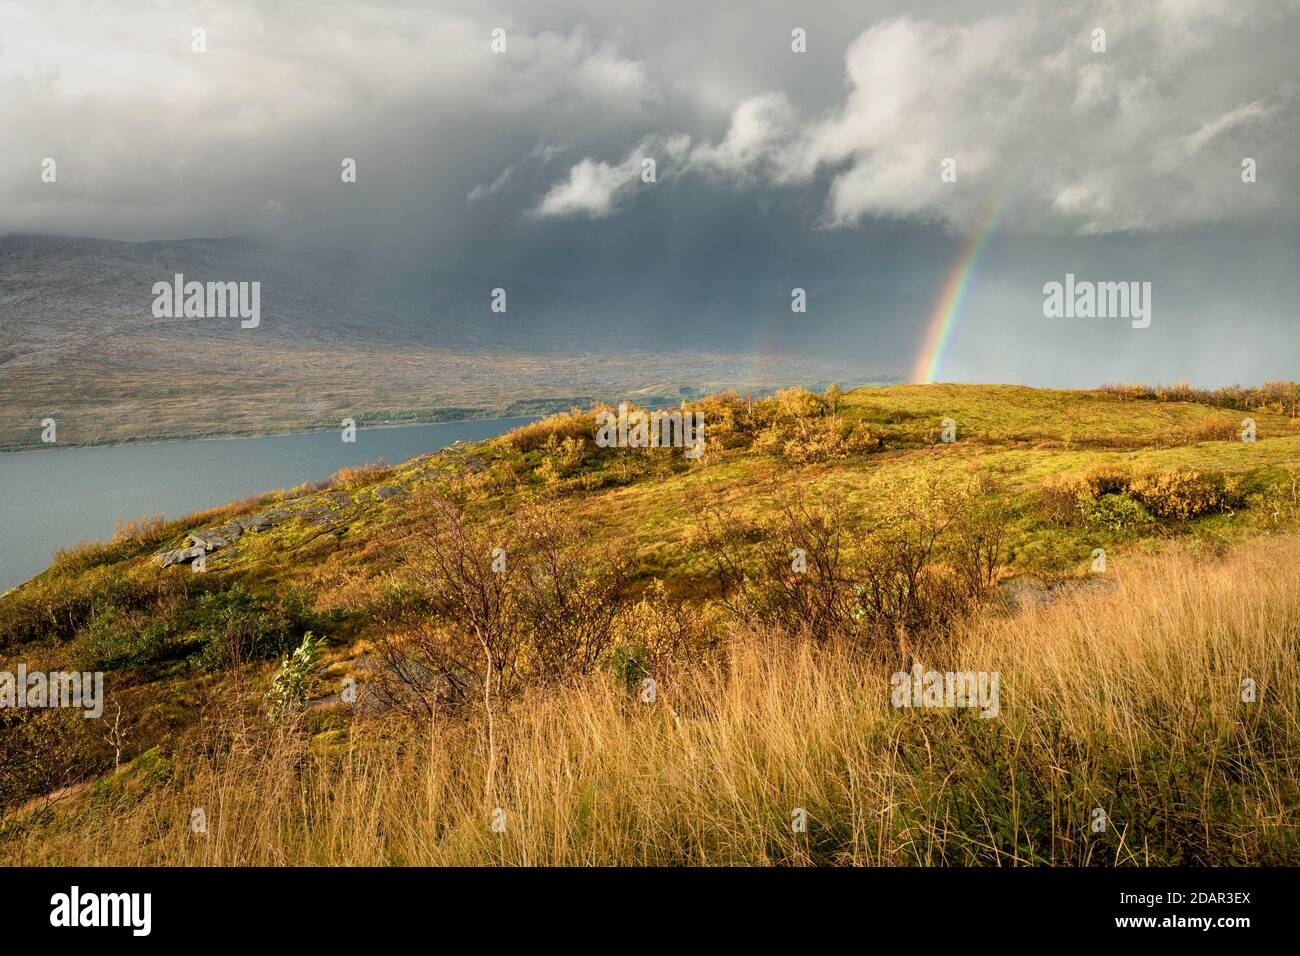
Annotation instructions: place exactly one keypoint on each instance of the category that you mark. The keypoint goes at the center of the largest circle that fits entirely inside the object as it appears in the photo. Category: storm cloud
(775, 168)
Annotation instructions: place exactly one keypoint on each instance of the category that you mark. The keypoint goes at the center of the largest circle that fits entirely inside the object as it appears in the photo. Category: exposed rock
(178, 555)
(313, 510)
(209, 540)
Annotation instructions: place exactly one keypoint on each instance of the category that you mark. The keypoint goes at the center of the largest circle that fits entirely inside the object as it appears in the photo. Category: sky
(952, 156)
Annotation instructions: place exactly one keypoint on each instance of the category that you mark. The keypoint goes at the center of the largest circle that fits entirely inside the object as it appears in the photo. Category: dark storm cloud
(774, 168)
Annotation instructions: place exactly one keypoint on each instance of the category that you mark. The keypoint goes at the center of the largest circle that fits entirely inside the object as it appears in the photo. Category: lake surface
(57, 497)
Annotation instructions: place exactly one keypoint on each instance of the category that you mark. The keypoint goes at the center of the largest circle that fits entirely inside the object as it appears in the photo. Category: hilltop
(621, 564)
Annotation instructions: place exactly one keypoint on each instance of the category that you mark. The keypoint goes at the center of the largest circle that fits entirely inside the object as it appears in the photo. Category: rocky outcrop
(177, 556)
(214, 539)
(321, 512)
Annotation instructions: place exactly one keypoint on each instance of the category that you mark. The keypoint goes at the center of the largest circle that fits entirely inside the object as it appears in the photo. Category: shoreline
(510, 421)
(237, 436)
(491, 415)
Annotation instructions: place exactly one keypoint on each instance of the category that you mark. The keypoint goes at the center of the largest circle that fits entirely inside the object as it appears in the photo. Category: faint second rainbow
(944, 317)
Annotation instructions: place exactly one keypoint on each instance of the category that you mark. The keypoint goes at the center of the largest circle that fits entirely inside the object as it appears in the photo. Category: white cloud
(281, 94)
(1149, 135)
(1135, 138)
(594, 188)
(756, 140)
(590, 189)
(1233, 119)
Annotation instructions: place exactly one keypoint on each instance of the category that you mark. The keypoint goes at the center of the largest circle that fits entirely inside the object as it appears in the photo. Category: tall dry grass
(1123, 697)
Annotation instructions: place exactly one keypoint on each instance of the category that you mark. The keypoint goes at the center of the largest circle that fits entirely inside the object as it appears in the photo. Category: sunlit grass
(1127, 699)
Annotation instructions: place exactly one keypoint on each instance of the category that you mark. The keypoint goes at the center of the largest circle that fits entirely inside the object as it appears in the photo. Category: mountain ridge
(346, 337)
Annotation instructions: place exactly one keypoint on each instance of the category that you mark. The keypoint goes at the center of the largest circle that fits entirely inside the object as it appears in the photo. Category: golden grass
(353, 477)
(145, 529)
(1124, 696)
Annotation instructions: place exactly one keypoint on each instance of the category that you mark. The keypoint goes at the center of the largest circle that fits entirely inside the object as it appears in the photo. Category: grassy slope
(1024, 435)
(1027, 435)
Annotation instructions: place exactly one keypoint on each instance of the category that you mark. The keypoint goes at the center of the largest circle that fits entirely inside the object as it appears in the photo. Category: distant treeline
(1281, 397)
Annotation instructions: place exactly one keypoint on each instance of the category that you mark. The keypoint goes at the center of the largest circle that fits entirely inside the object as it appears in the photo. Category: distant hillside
(344, 336)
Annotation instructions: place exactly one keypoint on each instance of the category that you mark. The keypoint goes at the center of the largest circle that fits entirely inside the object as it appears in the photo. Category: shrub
(654, 635)
(1216, 429)
(557, 427)
(980, 531)
(800, 584)
(55, 605)
(796, 424)
(885, 581)
(144, 530)
(1060, 498)
(1180, 494)
(1278, 503)
(897, 569)
(81, 557)
(1117, 513)
(567, 595)
(630, 665)
(359, 476)
(43, 750)
(806, 427)
(290, 687)
(1111, 498)
(113, 639)
(1280, 397)
(563, 458)
(530, 602)
(238, 627)
(729, 419)
(832, 439)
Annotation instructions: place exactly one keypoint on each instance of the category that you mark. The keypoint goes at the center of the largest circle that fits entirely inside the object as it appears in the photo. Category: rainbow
(944, 317)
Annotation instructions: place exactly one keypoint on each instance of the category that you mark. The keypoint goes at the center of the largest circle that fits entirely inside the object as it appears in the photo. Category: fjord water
(55, 498)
